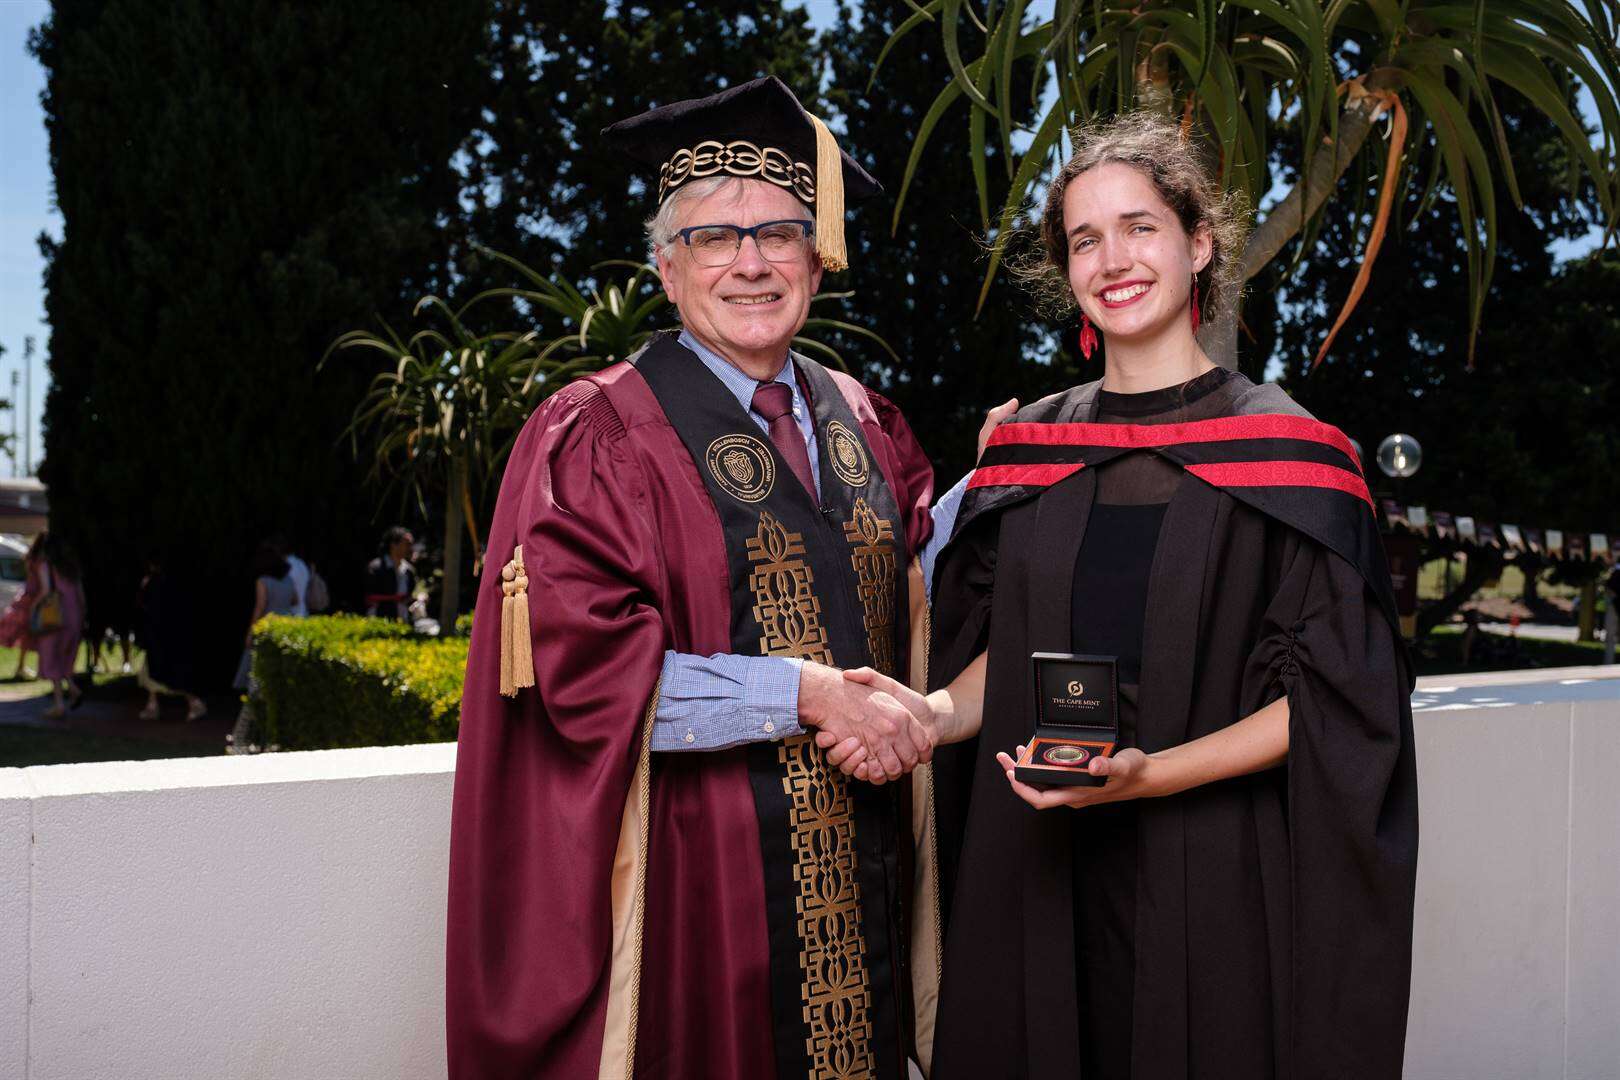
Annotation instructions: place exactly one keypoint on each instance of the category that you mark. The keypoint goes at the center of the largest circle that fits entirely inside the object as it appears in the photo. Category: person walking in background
(298, 570)
(56, 619)
(390, 578)
(274, 593)
(159, 635)
(14, 623)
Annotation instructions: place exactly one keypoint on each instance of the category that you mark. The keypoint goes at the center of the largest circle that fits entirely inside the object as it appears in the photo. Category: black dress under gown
(1107, 613)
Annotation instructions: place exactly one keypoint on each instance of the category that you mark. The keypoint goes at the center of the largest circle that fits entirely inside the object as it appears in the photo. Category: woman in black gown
(1236, 900)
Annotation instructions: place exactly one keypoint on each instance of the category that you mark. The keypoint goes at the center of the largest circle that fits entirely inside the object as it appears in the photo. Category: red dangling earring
(1088, 336)
(1195, 304)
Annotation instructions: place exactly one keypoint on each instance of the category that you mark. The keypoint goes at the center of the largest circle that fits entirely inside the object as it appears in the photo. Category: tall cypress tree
(239, 182)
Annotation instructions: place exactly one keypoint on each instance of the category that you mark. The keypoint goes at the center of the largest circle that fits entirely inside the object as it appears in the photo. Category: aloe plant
(1241, 73)
(445, 412)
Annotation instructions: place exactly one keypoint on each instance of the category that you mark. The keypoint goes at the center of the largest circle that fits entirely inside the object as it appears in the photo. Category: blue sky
(26, 207)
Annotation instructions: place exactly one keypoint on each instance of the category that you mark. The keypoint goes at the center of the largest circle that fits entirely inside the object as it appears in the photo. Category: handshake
(872, 727)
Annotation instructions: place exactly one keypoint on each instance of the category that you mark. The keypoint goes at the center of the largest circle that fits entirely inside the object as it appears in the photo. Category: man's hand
(851, 754)
(994, 419)
(890, 739)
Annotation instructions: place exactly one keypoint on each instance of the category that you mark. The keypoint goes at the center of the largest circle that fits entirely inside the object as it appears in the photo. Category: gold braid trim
(835, 993)
(629, 913)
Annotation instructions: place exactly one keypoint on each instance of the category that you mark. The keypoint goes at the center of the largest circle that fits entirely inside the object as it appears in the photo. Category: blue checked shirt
(725, 700)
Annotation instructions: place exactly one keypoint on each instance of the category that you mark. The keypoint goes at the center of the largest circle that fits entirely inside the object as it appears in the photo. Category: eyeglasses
(718, 245)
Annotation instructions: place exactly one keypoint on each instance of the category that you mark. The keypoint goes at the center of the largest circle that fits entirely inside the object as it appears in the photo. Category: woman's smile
(1124, 294)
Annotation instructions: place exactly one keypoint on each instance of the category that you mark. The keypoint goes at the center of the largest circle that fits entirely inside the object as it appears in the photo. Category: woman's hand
(863, 727)
(993, 419)
(1130, 776)
(848, 752)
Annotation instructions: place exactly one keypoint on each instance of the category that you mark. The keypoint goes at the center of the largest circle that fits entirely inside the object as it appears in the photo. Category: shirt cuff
(725, 700)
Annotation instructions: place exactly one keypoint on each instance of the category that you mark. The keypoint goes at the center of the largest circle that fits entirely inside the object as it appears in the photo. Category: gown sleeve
(964, 586)
(913, 473)
(542, 779)
(960, 631)
(1352, 812)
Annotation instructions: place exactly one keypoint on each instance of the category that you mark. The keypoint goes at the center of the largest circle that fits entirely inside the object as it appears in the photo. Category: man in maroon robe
(636, 888)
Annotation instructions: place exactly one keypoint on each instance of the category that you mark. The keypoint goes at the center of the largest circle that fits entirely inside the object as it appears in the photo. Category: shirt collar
(741, 385)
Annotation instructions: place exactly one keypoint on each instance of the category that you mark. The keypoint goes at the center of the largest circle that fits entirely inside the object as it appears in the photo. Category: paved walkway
(114, 709)
(1545, 631)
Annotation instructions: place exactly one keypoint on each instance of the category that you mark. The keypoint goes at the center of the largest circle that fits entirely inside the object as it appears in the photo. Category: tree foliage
(239, 183)
(540, 185)
(1529, 435)
(1239, 74)
(918, 284)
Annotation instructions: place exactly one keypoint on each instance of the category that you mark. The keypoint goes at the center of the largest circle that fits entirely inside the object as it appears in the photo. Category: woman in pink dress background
(14, 623)
(53, 566)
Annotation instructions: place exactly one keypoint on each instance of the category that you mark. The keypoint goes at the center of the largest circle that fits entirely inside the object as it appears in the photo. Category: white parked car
(13, 575)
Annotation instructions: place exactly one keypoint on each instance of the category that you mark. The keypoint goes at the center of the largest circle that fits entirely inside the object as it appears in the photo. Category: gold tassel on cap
(829, 199)
(517, 656)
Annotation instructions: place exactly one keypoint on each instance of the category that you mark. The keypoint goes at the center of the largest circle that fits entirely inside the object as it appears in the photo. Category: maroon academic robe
(605, 906)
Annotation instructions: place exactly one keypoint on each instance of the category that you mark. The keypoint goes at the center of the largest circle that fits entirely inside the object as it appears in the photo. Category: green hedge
(343, 680)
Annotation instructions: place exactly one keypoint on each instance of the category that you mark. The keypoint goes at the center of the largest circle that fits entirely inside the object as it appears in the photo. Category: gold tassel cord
(829, 199)
(517, 655)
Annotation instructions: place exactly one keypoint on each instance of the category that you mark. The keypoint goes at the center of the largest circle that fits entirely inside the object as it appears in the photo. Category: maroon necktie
(774, 401)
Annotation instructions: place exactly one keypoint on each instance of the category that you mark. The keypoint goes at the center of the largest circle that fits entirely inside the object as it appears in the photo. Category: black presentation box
(1076, 719)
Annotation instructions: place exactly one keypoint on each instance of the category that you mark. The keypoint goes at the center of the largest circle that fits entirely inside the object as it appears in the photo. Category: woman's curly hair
(1155, 145)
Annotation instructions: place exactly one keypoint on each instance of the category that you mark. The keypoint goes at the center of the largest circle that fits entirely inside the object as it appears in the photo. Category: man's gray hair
(662, 226)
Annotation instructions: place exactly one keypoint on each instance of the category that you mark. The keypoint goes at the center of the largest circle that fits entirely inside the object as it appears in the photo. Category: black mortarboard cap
(757, 130)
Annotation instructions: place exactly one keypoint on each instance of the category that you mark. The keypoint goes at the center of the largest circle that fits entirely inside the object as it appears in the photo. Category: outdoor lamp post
(1399, 456)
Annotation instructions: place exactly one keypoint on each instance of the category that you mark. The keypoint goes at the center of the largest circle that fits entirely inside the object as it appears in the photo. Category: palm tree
(1241, 75)
(444, 415)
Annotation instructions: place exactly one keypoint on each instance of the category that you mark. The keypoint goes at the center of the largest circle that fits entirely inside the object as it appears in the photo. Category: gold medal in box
(1076, 719)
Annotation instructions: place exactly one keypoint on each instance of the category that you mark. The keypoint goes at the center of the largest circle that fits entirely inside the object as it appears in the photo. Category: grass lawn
(1441, 653)
(1432, 582)
(22, 746)
(29, 688)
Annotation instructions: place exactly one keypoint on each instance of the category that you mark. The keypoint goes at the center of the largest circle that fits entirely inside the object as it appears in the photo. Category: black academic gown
(1274, 911)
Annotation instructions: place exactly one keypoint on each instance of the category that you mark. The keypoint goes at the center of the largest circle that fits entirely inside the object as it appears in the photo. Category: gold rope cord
(872, 538)
(644, 803)
(927, 935)
(629, 913)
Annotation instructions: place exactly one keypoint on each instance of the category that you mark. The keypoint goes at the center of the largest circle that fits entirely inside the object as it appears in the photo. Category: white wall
(1517, 937)
(282, 916)
(275, 916)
